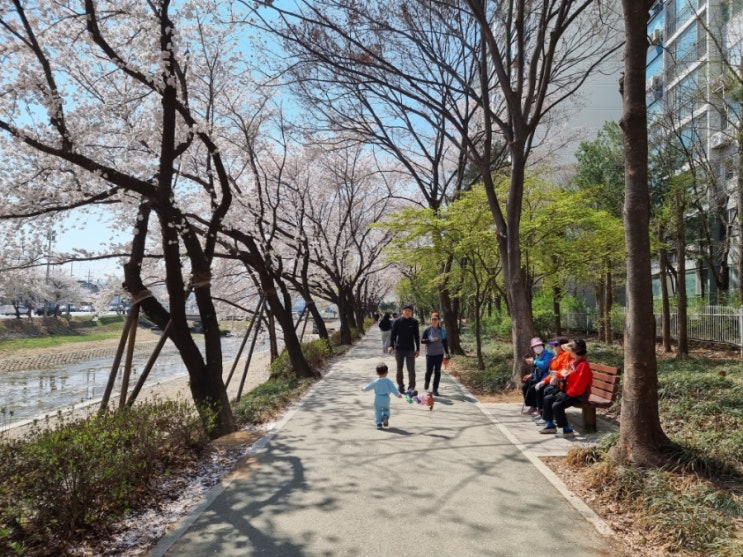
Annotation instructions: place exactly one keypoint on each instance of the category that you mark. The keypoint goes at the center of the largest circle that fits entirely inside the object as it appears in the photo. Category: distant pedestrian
(383, 387)
(405, 340)
(385, 325)
(437, 348)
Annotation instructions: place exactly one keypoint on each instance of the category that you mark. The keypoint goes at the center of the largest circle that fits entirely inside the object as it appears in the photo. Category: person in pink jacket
(575, 389)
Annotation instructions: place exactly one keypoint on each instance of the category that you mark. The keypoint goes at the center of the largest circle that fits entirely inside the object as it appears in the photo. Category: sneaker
(379, 426)
(537, 417)
(540, 421)
(528, 411)
(566, 432)
(425, 387)
(385, 421)
(535, 413)
(552, 429)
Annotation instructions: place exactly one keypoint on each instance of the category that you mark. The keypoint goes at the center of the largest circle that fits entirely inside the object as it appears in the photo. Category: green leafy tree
(600, 174)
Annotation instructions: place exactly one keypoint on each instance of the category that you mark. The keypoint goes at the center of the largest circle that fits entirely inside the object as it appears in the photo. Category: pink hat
(536, 341)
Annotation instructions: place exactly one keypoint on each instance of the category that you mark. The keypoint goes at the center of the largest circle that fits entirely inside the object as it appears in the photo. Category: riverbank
(167, 388)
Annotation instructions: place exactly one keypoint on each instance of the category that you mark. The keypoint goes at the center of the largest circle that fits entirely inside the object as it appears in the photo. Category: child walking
(382, 387)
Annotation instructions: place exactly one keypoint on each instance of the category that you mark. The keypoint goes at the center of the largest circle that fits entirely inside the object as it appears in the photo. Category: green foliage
(317, 352)
(79, 474)
(281, 366)
(600, 169)
(267, 400)
(28, 334)
(496, 376)
(335, 340)
(496, 324)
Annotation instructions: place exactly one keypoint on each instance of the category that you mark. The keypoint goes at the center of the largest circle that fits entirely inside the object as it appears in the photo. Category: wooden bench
(604, 391)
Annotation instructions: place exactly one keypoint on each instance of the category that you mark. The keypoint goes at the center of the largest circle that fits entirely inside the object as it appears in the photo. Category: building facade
(694, 86)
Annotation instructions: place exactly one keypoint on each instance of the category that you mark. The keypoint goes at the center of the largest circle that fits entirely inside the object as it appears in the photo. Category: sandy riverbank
(175, 388)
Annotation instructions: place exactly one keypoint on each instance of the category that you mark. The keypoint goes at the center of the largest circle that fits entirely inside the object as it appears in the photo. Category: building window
(682, 11)
(686, 46)
(686, 96)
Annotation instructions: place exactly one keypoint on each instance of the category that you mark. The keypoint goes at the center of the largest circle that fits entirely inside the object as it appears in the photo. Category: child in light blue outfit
(382, 387)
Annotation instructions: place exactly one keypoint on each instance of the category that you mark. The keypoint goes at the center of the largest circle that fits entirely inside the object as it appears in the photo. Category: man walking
(405, 341)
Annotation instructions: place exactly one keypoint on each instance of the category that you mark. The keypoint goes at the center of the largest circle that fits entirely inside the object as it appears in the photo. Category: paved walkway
(461, 480)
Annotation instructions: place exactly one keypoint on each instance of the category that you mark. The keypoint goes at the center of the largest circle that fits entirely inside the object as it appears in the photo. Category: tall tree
(641, 439)
(532, 77)
(495, 72)
(121, 106)
(601, 173)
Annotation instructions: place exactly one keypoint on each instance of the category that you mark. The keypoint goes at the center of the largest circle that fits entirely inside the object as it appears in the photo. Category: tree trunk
(322, 330)
(641, 439)
(666, 311)
(739, 184)
(205, 375)
(451, 319)
(507, 236)
(600, 307)
(609, 297)
(556, 297)
(272, 340)
(682, 351)
(345, 315)
(283, 315)
(478, 338)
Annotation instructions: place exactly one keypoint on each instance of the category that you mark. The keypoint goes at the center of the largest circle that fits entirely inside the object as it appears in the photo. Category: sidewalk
(464, 479)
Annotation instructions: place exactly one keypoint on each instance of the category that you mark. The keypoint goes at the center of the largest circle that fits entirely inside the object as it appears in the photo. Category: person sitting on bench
(574, 390)
(540, 363)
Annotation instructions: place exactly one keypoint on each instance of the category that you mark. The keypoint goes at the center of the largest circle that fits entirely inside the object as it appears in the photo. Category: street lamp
(51, 236)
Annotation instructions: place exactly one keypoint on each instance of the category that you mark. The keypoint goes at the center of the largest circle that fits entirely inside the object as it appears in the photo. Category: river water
(35, 393)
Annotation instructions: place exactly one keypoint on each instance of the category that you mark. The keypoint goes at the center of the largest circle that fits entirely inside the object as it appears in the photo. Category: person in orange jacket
(549, 385)
(577, 388)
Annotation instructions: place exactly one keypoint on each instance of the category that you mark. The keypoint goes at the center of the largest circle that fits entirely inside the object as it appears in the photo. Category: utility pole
(51, 236)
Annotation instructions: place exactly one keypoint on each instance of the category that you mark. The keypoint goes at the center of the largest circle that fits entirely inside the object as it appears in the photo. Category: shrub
(78, 475)
(496, 325)
(335, 339)
(317, 352)
(266, 401)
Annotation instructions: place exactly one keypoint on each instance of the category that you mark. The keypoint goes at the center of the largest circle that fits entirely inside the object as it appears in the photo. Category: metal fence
(721, 324)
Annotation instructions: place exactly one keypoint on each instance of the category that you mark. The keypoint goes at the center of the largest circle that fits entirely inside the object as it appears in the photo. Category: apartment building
(694, 92)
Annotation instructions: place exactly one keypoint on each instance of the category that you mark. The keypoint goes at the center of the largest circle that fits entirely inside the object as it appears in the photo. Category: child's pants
(381, 407)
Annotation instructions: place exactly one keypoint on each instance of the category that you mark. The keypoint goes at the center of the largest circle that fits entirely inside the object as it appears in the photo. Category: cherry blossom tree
(120, 105)
(332, 234)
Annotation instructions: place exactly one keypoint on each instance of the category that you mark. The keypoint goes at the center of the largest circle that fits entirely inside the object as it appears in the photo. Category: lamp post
(51, 236)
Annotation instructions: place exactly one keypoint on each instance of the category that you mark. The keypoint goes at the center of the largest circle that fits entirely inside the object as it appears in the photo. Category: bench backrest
(605, 382)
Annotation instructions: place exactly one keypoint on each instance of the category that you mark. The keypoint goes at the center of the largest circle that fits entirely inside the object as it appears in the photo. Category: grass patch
(267, 401)
(39, 332)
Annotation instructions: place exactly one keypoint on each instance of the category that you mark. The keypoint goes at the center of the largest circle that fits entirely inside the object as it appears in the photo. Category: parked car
(50, 308)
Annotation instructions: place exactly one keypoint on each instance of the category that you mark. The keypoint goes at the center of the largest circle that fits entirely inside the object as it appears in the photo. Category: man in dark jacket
(405, 341)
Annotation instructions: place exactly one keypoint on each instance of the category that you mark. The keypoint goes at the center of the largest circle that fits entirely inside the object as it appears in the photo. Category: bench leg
(589, 418)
